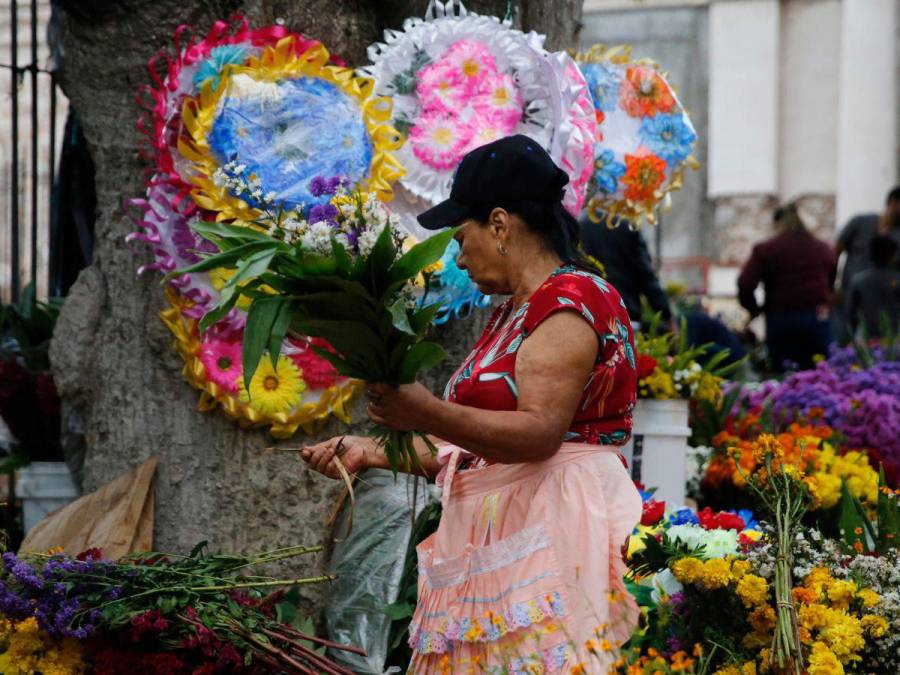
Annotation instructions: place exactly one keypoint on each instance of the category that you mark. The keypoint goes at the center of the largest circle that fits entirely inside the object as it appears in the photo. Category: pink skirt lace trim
(526, 566)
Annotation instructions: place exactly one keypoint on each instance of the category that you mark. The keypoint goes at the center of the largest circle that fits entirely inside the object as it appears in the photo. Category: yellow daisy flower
(274, 390)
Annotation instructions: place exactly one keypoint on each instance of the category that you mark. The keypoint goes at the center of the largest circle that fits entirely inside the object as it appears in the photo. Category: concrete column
(867, 107)
(743, 97)
(743, 123)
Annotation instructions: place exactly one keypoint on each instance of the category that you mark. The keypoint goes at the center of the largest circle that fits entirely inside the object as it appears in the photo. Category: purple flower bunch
(29, 588)
(862, 403)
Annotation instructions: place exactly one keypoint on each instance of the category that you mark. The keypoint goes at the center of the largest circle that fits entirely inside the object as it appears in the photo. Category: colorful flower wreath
(273, 108)
(458, 81)
(645, 136)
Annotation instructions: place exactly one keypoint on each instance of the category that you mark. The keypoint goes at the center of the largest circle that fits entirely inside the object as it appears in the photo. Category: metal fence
(30, 124)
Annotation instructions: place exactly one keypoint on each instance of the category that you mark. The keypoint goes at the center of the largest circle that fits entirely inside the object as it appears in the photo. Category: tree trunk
(113, 358)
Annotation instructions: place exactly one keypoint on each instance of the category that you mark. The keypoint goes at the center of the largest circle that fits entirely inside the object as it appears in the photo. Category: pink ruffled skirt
(524, 574)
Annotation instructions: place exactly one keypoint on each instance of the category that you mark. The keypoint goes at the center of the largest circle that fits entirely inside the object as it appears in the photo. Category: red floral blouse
(487, 377)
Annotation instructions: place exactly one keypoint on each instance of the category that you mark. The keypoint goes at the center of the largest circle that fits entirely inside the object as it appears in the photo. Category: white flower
(270, 197)
(665, 583)
(219, 178)
(239, 169)
(366, 241)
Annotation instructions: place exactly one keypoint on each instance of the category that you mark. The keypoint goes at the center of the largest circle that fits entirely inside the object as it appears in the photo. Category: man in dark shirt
(855, 239)
(874, 294)
(627, 265)
(797, 271)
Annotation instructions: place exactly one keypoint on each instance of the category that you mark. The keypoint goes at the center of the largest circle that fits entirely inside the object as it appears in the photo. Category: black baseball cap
(511, 169)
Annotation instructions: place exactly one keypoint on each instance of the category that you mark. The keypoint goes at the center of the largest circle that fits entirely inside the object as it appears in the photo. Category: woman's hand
(404, 408)
(355, 453)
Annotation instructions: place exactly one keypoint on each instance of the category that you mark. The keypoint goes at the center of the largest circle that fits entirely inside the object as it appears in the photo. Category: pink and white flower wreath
(460, 80)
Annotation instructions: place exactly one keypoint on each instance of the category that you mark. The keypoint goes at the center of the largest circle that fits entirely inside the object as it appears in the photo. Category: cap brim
(445, 214)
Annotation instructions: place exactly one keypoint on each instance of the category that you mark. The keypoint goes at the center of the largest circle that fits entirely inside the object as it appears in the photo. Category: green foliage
(357, 305)
(30, 323)
(859, 533)
(658, 554)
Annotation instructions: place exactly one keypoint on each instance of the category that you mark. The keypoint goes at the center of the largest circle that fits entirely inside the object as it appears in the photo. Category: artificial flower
(439, 87)
(439, 139)
(501, 98)
(644, 93)
(644, 174)
(276, 389)
(668, 136)
(473, 61)
(222, 361)
(604, 84)
(607, 171)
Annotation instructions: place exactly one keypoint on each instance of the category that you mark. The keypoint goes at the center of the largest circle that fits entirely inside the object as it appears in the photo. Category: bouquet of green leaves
(341, 270)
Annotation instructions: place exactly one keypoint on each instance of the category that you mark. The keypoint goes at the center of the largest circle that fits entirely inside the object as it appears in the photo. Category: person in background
(797, 271)
(874, 293)
(854, 241)
(626, 265)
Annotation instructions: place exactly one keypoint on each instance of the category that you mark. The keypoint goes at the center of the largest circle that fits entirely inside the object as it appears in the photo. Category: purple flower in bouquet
(323, 212)
(318, 186)
(22, 572)
(12, 605)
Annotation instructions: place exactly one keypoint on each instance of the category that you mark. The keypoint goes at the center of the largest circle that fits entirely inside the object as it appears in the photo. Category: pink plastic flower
(439, 140)
(472, 61)
(439, 86)
(317, 372)
(222, 361)
(488, 126)
(500, 97)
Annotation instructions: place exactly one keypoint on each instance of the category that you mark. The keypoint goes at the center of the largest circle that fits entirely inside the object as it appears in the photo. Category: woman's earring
(501, 249)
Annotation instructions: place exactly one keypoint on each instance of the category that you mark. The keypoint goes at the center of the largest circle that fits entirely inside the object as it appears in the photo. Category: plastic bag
(369, 565)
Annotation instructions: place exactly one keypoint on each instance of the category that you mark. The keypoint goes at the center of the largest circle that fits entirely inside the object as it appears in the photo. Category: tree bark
(113, 358)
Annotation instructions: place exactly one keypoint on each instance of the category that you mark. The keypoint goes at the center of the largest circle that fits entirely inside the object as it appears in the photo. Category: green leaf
(421, 255)
(337, 305)
(228, 259)
(341, 258)
(375, 270)
(260, 320)
(207, 229)
(218, 312)
(279, 328)
(199, 550)
(314, 265)
(399, 610)
(340, 364)
(421, 356)
(851, 520)
(356, 342)
(423, 318)
(400, 317)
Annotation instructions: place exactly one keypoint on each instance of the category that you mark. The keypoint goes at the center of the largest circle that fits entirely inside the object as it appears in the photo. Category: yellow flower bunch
(659, 384)
(711, 574)
(26, 649)
(832, 618)
(804, 455)
(654, 663)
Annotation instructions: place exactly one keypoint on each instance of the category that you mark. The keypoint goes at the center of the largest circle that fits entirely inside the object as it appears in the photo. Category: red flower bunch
(646, 364)
(148, 622)
(317, 372)
(711, 520)
(652, 512)
(110, 660)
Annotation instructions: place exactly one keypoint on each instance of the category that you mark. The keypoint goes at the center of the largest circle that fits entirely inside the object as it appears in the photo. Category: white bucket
(43, 488)
(657, 451)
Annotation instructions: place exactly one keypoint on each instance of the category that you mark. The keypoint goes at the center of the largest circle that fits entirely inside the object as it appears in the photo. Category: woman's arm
(552, 367)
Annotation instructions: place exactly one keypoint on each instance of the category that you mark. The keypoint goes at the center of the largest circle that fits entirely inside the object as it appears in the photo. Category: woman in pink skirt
(524, 573)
